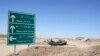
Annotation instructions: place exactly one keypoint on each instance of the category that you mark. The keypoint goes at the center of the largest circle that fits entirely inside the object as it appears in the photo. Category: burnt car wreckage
(57, 43)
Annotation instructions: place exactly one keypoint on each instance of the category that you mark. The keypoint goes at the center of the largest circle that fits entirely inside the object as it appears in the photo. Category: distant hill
(3, 36)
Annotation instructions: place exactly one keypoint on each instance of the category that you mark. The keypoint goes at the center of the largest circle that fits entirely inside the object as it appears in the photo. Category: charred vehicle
(56, 43)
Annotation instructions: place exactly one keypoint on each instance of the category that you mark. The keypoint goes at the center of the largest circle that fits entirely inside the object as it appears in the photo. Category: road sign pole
(14, 49)
(28, 45)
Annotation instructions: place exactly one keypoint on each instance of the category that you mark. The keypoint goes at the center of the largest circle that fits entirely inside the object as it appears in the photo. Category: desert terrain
(74, 47)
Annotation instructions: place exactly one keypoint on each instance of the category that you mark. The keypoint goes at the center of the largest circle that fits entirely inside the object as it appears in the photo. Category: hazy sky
(57, 17)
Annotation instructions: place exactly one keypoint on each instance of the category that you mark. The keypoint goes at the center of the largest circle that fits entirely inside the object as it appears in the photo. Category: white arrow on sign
(12, 17)
(11, 38)
(12, 28)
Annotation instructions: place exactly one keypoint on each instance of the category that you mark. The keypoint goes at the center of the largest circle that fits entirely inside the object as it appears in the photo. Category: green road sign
(21, 28)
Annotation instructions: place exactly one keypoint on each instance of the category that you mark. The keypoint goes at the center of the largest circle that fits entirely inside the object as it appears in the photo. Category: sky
(56, 17)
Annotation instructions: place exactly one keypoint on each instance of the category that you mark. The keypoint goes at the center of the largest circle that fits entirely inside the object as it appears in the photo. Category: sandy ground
(6, 50)
(60, 51)
(41, 48)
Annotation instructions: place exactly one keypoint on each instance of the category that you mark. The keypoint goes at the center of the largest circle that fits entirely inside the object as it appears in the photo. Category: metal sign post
(14, 49)
(28, 45)
(21, 29)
